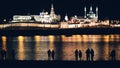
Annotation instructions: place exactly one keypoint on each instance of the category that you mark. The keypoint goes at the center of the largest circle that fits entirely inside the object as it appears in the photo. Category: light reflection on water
(35, 47)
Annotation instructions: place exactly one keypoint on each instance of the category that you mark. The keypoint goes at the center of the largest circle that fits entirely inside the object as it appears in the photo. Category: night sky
(107, 8)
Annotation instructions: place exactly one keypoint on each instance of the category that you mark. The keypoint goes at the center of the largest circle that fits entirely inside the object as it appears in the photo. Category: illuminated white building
(43, 17)
(91, 14)
(89, 17)
(21, 18)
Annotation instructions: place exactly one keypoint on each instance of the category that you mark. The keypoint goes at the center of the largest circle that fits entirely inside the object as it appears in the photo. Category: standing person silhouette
(76, 54)
(49, 54)
(92, 54)
(112, 55)
(4, 54)
(80, 55)
(88, 54)
(53, 54)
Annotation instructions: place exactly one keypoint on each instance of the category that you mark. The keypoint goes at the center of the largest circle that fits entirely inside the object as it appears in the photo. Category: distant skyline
(107, 8)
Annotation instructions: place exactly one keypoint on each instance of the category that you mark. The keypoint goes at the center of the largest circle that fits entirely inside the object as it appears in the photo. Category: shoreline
(69, 32)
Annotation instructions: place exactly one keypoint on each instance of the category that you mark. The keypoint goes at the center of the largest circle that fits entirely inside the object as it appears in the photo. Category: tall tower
(97, 12)
(66, 17)
(91, 11)
(85, 12)
(52, 13)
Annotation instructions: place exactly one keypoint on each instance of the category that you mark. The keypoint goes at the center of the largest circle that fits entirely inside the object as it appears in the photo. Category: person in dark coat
(80, 55)
(92, 54)
(49, 54)
(53, 54)
(112, 55)
(76, 54)
(88, 54)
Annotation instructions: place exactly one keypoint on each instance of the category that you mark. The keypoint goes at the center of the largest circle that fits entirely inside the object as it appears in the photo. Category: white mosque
(88, 16)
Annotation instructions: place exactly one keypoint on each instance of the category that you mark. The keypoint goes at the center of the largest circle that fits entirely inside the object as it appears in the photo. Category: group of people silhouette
(51, 54)
(89, 54)
(78, 54)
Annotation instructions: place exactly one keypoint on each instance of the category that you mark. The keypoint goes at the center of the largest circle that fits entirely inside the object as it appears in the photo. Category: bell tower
(52, 13)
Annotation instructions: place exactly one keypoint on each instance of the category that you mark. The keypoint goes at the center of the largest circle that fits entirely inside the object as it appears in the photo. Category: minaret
(97, 12)
(52, 13)
(66, 17)
(85, 12)
(91, 9)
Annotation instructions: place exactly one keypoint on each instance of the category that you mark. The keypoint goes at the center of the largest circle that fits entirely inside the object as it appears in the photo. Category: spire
(66, 17)
(97, 12)
(91, 11)
(52, 6)
(85, 12)
(90, 8)
(52, 13)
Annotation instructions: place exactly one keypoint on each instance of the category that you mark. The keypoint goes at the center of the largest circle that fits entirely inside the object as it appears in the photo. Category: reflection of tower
(52, 13)
(85, 12)
(96, 12)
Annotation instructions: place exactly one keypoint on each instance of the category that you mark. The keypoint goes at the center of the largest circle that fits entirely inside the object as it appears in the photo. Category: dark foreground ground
(60, 64)
(69, 32)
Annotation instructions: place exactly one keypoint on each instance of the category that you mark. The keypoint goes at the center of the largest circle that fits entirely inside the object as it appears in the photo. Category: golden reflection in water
(117, 48)
(73, 38)
(115, 38)
(111, 37)
(37, 38)
(4, 46)
(21, 51)
(51, 38)
(106, 51)
(94, 38)
(37, 47)
(63, 38)
(78, 38)
(51, 46)
(106, 38)
(67, 51)
(85, 38)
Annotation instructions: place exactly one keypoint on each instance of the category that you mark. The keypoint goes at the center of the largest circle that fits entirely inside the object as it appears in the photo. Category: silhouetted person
(3, 54)
(76, 54)
(13, 54)
(53, 54)
(49, 54)
(112, 55)
(80, 55)
(87, 54)
(92, 54)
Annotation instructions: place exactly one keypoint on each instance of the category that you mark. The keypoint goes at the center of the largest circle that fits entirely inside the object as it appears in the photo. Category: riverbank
(75, 31)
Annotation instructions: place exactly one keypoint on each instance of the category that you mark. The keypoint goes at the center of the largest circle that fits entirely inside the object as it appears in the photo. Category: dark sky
(107, 8)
